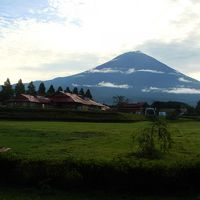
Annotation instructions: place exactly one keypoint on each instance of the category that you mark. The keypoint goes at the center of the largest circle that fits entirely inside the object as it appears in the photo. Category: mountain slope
(137, 76)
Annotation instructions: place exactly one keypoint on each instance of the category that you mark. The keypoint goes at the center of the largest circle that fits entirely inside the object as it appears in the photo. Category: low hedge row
(118, 174)
(66, 115)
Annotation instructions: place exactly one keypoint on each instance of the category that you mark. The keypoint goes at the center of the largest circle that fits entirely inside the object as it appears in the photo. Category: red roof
(63, 97)
(31, 99)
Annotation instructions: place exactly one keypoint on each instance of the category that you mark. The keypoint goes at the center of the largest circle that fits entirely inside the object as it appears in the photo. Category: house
(76, 102)
(26, 100)
(137, 108)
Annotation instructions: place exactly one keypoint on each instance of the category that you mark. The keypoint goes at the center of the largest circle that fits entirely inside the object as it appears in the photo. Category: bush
(153, 140)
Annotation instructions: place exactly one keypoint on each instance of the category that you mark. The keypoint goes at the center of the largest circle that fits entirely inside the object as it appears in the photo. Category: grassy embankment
(76, 154)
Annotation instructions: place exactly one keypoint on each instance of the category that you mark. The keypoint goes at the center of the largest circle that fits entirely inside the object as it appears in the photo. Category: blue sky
(43, 39)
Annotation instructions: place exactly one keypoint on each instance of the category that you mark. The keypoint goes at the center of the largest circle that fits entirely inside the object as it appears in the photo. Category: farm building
(25, 100)
(73, 101)
(137, 108)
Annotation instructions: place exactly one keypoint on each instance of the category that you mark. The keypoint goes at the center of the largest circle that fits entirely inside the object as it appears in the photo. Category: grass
(86, 141)
(70, 154)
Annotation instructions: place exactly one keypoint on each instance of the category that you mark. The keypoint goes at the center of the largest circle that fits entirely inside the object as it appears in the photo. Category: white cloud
(88, 27)
(150, 71)
(182, 79)
(130, 71)
(104, 70)
(177, 90)
(112, 85)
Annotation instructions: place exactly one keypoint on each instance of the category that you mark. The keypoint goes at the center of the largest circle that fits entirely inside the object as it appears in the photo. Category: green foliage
(68, 90)
(198, 108)
(88, 94)
(7, 91)
(75, 90)
(19, 88)
(31, 89)
(153, 140)
(42, 89)
(59, 89)
(50, 91)
(117, 100)
(81, 92)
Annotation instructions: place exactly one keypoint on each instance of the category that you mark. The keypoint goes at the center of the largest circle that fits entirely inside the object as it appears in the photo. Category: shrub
(153, 140)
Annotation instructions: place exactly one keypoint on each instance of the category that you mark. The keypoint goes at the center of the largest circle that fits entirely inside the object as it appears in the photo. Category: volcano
(136, 76)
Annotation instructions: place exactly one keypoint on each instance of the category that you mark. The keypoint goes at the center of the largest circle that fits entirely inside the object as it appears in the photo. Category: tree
(31, 89)
(118, 100)
(88, 94)
(7, 91)
(50, 91)
(68, 90)
(198, 108)
(42, 89)
(81, 92)
(153, 140)
(75, 91)
(19, 88)
(59, 89)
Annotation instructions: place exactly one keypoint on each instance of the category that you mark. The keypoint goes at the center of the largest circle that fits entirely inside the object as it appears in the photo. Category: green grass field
(86, 141)
(76, 154)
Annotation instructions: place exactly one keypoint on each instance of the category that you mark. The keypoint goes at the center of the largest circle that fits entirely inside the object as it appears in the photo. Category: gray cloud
(181, 55)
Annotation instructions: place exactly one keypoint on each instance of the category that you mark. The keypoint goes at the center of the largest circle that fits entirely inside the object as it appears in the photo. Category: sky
(44, 39)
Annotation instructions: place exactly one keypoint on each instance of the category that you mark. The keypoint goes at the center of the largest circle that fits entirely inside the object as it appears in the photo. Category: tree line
(7, 92)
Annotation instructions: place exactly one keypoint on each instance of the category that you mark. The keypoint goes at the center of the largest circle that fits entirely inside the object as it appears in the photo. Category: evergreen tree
(75, 91)
(50, 91)
(19, 88)
(7, 91)
(81, 92)
(59, 89)
(68, 90)
(88, 94)
(42, 89)
(198, 108)
(31, 89)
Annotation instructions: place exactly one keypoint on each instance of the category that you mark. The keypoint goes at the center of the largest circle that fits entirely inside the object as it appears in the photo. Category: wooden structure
(25, 100)
(76, 102)
(137, 108)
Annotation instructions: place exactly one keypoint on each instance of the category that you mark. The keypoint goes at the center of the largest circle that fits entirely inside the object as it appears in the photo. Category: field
(75, 154)
(86, 141)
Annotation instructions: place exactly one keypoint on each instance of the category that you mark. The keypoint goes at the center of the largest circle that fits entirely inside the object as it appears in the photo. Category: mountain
(136, 76)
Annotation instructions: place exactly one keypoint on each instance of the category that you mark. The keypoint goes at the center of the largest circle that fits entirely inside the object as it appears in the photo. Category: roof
(31, 99)
(64, 97)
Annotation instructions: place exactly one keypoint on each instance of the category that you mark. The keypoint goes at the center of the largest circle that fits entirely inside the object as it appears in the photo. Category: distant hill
(136, 76)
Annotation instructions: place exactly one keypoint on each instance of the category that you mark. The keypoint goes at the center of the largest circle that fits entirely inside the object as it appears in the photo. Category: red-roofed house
(73, 101)
(26, 100)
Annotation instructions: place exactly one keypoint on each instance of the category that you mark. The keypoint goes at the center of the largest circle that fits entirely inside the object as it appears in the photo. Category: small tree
(42, 89)
(68, 90)
(59, 89)
(19, 88)
(198, 108)
(88, 94)
(153, 140)
(81, 92)
(31, 89)
(50, 91)
(117, 100)
(75, 90)
(7, 91)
